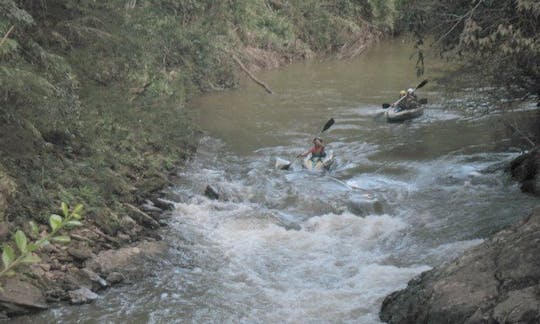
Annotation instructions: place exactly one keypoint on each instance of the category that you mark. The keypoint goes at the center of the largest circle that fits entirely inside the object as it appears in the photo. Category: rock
(115, 278)
(45, 266)
(4, 231)
(174, 196)
(211, 193)
(163, 204)
(124, 237)
(521, 306)
(80, 254)
(525, 170)
(365, 205)
(55, 264)
(20, 297)
(141, 217)
(127, 222)
(94, 278)
(149, 206)
(68, 281)
(125, 260)
(82, 295)
(497, 281)
(49, 248)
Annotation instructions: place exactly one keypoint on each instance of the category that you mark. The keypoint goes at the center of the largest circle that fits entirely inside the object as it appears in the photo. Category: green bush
(24, 253)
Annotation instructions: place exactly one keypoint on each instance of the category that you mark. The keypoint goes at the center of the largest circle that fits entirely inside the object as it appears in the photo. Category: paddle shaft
(423, 83)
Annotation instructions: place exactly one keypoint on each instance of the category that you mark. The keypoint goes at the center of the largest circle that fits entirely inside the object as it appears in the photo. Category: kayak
(319, 164)
(393, 115)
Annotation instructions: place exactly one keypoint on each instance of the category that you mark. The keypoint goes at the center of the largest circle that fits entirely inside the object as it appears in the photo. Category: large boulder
(525, 169)
(127, 260)
(498, 281)
(19, 297)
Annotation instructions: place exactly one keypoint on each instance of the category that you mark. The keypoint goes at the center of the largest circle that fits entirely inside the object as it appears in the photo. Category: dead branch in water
(251, 76)
(6, 35)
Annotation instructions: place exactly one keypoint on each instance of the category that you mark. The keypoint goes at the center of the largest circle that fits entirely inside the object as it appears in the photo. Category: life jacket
(317, 152)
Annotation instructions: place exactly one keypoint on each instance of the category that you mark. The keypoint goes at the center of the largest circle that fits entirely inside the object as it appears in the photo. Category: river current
(302, 247)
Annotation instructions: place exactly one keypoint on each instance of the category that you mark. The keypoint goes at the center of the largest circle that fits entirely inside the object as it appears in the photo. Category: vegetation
(26, 250)
(92, 92)
(496, 40)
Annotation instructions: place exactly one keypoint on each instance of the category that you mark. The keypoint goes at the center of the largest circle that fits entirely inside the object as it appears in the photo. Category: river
(301, 247)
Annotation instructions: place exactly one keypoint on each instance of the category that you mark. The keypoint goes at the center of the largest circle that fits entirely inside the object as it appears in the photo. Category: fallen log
(251, 76)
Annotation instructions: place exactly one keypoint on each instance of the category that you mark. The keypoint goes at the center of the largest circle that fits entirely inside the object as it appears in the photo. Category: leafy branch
(27, 256)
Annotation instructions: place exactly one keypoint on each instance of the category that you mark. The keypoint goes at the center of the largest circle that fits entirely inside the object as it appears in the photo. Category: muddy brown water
(301, 247)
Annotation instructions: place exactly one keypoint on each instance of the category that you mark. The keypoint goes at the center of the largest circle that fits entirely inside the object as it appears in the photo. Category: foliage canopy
(498, 40)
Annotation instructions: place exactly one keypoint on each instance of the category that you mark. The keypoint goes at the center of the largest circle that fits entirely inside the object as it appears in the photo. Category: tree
(498, 40)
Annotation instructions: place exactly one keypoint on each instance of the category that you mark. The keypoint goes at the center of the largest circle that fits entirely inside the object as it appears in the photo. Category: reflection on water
(295, 246)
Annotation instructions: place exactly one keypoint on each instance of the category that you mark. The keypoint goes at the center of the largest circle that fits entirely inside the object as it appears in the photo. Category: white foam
(329, 270)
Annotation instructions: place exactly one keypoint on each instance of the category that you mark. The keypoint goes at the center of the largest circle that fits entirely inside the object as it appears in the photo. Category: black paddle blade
(328, 124)
(385, 105)
(423, 83)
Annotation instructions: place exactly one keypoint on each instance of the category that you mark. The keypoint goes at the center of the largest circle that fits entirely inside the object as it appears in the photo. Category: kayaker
(410, 101)
(317, 151)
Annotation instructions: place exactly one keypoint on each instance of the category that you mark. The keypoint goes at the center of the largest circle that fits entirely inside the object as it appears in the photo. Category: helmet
(410, 90)
(402, 93)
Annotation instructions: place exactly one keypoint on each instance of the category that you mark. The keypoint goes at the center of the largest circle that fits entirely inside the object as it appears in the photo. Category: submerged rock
(115, 278)
(365, 205)
(495, 282)
(82, 295)
(211, 193)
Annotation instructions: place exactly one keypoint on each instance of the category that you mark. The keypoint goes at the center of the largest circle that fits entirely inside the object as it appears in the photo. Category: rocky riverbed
(93, 261)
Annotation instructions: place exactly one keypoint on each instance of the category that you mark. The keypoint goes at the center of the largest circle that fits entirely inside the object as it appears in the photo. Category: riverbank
(101, 118)
(497, 281)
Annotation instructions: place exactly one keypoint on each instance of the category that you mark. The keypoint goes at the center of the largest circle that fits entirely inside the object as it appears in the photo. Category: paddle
(285, 165)
(386, 105)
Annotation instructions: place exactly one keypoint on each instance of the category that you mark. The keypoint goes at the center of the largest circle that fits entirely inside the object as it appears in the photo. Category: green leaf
(32, 247)
(31, 258)
(20, 239)
(74, 223)
(65, 209)
(76, 216)
(77, 209)
(55, 221)
(34, 228)
(62, 239)
(8, 255)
